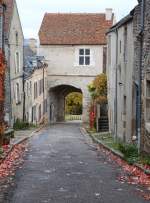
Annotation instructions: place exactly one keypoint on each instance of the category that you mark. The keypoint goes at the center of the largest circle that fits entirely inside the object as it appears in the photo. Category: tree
(98, 89)
(74, 103)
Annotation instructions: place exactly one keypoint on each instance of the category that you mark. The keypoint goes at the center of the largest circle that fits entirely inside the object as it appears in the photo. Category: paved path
(62, 166)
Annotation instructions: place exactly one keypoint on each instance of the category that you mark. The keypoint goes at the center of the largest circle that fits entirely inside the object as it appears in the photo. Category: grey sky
(32, 11)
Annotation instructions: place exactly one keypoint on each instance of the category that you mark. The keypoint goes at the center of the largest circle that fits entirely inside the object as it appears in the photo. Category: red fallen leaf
(9, 164)
(146, 196)
(136, 176)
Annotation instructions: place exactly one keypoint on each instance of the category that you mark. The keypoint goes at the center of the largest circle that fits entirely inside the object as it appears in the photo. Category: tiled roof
(8, 15)
(78, 29)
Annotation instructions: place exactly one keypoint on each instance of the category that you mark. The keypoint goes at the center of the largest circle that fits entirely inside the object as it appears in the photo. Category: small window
(120, 46)
(17, 38)
(84, 57)
(27, 89)
(17, 93)
(125, 44)
(30, 88)
(40, 112)
(35, 90)
(17, 60)
(148, 88)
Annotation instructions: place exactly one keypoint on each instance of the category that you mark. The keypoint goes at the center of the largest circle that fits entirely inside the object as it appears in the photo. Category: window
(41, 87)
(84, 57)
(40, 112)
(125, 44)
(35, 90)
(27, 89)
(17, 61)
(148, 100)
(34, 114)
(17, 93)
(30, 88)
(45, 106)
(16, 38)
(120, 46)
(124, 105)
(148, 88)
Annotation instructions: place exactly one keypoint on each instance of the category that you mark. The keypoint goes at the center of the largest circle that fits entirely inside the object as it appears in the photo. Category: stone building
(14, 58)
(129, 93)
(35, 85)
(121, 85)
(74, 46)
(142, 68)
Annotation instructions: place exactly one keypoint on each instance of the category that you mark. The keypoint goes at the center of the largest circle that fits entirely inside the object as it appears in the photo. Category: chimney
(109, 14)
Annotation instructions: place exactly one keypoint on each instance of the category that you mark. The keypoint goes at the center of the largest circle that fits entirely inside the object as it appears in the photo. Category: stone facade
(120, 79)
(14, 73)
(75, 52)
(143, 49)
(138, 58)
(65, 72)
(35, 91)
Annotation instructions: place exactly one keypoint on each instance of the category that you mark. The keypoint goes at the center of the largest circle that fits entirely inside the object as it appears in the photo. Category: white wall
(63, 60)
(64, 69)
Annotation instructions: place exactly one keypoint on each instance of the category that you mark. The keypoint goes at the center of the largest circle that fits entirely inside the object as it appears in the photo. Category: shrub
(130, 152)
(1, 150)
(20, 125)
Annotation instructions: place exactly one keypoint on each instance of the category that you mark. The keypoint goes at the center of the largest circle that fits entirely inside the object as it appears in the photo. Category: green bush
(1, 150)
(130, 152)
(20, 125)
(145, 159)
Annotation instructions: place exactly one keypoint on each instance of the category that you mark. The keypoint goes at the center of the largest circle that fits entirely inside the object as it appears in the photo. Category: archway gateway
(57, 95)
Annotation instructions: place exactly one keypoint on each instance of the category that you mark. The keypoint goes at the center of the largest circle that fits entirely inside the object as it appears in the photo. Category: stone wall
(13, 45)
(145, 133)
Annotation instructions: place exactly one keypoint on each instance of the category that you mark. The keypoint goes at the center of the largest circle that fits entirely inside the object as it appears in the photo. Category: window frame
(84, 56)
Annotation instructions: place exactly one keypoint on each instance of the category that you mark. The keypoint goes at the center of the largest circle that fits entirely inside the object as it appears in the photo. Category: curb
(119, 154)
(19, 142)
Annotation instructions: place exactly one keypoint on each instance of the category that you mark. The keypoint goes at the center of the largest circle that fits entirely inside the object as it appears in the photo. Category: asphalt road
(63, 166)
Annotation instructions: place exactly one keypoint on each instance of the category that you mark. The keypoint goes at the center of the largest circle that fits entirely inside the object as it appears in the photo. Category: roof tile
(75, 28)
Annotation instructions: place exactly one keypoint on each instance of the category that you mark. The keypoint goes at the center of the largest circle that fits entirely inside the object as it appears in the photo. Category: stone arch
(58, 90)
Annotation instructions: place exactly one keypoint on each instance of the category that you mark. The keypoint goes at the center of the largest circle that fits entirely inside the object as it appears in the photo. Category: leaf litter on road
(130, 173)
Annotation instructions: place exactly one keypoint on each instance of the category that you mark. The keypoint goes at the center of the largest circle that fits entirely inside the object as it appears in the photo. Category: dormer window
(84, 57)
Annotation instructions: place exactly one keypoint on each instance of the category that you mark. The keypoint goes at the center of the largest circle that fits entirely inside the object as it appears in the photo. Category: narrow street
(63, 166)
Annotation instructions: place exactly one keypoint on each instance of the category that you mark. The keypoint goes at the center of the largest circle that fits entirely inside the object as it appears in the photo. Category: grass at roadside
(129, 151)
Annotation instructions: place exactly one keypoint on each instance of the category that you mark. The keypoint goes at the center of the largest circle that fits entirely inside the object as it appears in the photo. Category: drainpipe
(140, 75)
(43, 90)
(116, 88)
(24, 95)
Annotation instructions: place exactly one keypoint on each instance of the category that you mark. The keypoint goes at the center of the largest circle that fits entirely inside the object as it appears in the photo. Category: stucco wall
(30, 101)
(63, 60)
(63, 69)
(124, 82)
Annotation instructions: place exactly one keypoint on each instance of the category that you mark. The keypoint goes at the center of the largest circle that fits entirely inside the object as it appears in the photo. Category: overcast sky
(32, 11)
